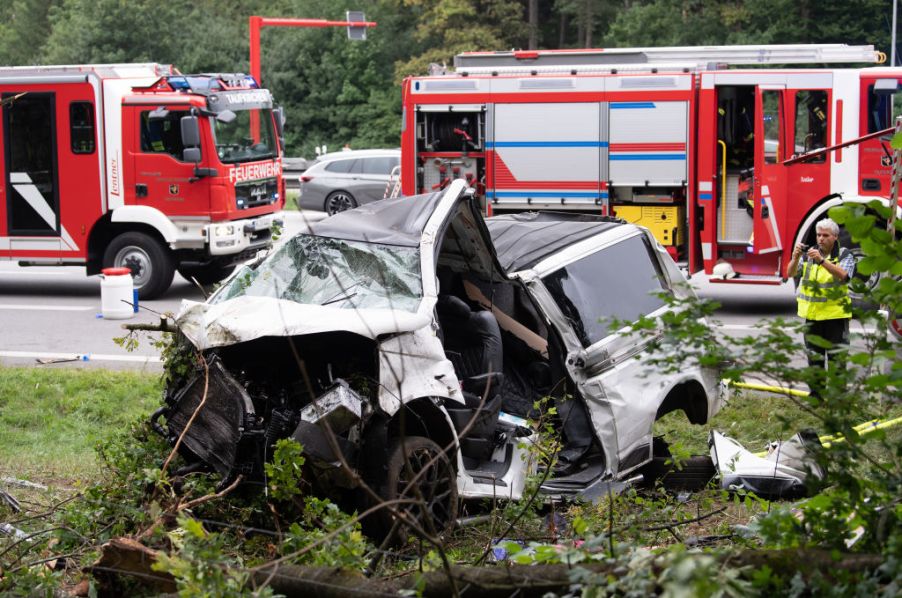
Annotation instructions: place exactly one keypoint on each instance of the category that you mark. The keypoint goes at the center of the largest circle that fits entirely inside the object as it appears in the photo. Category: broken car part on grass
(410, 339)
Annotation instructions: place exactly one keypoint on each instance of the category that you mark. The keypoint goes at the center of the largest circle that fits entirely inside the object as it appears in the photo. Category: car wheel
(207, 275)
(435, 481)
(148, 259)
(339, 201)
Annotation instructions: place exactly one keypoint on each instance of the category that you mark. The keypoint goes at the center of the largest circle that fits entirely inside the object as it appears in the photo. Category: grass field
(50, 419)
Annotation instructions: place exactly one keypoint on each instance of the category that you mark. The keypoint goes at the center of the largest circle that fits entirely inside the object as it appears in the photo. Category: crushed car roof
(523, 240)
(397, 221)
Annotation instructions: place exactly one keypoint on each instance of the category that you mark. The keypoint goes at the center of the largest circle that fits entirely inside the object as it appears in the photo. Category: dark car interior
(504, 354)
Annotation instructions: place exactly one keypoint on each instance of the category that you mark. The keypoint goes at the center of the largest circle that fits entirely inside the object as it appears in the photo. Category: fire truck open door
(770, 179)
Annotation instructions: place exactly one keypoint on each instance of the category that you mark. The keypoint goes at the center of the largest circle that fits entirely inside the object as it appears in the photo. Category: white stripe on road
(81, 356)
(41, 272)
(46, 307)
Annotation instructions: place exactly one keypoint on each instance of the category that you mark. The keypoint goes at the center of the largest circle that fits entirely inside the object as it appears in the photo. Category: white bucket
(116, 293)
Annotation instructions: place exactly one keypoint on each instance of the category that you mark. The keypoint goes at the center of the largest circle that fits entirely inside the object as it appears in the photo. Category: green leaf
(896, 141)
(193, 527)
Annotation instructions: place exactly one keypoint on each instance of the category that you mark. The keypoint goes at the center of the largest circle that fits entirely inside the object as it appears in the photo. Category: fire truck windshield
(235, 141)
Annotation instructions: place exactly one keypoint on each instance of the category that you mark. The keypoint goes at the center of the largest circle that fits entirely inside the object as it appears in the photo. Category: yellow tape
(775, 389)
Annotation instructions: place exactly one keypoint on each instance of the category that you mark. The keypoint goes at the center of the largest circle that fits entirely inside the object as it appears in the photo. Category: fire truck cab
(721, 164)
(140, 166)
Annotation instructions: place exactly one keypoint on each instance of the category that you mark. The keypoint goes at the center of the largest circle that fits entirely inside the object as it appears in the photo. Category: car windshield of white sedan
(345, 274)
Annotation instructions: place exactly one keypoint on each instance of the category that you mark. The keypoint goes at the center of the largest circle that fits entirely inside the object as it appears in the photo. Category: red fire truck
(137, 165)
(703, 154)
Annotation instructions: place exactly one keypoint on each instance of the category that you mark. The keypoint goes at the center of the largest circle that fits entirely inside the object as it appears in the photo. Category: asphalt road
(53, 314)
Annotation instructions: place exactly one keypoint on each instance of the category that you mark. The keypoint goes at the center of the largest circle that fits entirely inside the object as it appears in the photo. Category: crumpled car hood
(246, 318)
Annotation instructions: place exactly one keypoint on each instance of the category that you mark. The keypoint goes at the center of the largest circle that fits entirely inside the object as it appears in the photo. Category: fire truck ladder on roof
(694, 57)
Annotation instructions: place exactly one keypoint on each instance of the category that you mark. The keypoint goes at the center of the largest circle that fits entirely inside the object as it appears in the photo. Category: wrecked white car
(410, 337)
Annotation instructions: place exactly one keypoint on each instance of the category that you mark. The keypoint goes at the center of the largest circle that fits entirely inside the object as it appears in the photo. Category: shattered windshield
(323, 271)
(235, 141)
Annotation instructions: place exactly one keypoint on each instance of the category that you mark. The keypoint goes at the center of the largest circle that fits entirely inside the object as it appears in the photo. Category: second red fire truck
(674, 139)
(140, 166)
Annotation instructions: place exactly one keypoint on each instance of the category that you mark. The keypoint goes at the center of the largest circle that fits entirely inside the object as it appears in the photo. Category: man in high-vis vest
(823, 294)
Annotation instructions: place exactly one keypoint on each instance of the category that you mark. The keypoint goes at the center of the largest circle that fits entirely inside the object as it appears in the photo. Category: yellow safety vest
(818, 298)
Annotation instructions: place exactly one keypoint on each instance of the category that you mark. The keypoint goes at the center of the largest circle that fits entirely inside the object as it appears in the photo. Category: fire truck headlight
(224, 230)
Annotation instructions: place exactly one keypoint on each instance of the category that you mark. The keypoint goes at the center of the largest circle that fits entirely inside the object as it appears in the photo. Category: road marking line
(14, 306)
(80, 356)
(41, 273)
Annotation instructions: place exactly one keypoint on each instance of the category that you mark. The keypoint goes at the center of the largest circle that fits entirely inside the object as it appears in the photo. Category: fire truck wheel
(870, 280)
(339, 201)
(150, 262)
(207, 275)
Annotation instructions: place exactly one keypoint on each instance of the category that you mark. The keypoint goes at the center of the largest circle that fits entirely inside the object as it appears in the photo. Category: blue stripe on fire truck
(631, 105)
(562, 193)
(494, 144)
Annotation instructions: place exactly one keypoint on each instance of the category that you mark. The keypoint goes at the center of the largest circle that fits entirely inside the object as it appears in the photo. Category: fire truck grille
(258, 193)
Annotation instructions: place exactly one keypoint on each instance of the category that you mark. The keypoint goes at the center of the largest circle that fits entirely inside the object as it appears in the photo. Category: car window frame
(602, 348)
(350, 169)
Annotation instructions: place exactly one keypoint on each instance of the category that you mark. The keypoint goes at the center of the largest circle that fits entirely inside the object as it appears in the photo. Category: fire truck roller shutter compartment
(570, 170)
(648, 143)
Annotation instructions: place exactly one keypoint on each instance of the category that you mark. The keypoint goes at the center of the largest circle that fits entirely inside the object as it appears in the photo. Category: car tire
(339, 201)
(438, 486)
(207, 275)
(148, 259)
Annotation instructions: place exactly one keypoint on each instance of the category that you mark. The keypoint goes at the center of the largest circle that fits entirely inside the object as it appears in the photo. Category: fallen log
(127, 557)
(532, 581)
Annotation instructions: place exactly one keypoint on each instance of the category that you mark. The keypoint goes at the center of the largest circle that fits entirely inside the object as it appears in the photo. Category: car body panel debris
(787, 471)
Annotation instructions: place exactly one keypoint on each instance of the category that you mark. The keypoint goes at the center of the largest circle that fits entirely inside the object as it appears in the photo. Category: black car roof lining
(523, 240)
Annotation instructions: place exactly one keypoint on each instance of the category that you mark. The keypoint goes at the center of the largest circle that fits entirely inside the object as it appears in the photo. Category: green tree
(24, 25)
(447, 27)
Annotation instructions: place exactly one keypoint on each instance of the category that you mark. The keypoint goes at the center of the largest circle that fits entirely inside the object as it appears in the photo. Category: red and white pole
(894, 187)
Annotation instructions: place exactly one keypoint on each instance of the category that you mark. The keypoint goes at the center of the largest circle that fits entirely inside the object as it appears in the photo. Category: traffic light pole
(257, 23)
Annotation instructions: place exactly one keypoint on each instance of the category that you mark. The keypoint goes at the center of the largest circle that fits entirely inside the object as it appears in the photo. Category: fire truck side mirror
(226, 116)
(278, 114)
(190, 132)
(191, 154)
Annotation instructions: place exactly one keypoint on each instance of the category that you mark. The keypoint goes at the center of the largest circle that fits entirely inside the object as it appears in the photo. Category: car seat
(473, 345)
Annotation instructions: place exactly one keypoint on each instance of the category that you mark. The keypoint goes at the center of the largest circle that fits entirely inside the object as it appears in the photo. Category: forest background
(338, 92)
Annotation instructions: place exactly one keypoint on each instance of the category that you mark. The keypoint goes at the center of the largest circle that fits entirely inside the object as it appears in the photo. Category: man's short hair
(827, 223)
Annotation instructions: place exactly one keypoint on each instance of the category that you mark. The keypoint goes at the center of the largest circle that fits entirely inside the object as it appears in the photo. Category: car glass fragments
(621, 282)
(317, 270)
